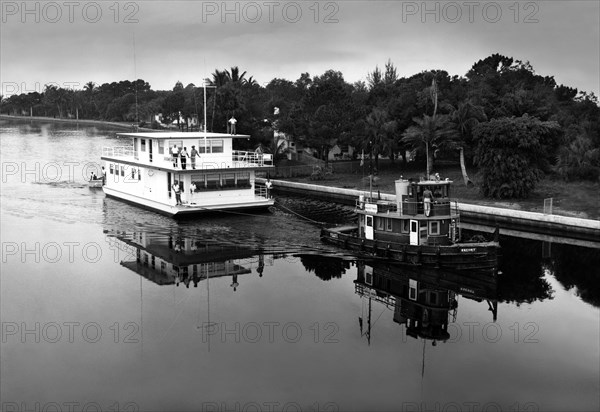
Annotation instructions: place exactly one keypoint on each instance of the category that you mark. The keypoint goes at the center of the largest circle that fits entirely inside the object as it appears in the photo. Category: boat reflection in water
(176, 259)
(423, 300)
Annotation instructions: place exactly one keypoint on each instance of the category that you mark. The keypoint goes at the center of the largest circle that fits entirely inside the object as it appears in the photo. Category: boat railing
(387, 299)
(440, 207)
(261, 191)
(252, 158)
(119, 151)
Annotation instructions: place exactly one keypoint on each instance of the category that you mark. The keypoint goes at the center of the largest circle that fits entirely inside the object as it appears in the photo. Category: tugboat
(422, 227)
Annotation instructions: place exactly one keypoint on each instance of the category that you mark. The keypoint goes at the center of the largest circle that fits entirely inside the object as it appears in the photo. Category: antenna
(204, 86)
(137, 118)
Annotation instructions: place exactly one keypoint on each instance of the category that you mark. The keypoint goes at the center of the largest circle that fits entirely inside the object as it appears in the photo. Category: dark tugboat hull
(468, 257)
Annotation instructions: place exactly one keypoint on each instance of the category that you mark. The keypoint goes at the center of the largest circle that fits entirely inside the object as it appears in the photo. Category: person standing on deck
(232, 122)
(174, 154)
(184, 156)
(427, 196)
(269, 186)
(177, 191)
(193, 154)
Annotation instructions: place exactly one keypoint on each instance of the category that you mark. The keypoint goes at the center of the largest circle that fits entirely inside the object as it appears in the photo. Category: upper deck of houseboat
(153, 149)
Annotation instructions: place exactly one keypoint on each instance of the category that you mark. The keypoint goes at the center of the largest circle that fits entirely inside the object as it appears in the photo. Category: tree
(323, 115)
(379, 129)
(431, 133)
(463, 119)
(579, 159)
(511, 153)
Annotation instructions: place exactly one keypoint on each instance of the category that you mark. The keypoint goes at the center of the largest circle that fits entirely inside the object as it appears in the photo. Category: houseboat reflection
(175, 259)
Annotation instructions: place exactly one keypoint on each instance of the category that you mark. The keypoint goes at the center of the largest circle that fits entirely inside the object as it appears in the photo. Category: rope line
(299, 215)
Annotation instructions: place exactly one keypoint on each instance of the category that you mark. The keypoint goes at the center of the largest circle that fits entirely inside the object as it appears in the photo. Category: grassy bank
(576, 199)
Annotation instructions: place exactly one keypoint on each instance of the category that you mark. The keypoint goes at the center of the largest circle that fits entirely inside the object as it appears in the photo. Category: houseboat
(155, 172)
(421, 227)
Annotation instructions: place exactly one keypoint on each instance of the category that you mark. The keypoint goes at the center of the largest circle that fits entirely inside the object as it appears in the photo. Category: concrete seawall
(571, 227)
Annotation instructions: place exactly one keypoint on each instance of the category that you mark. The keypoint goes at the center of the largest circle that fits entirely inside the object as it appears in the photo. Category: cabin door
(414, 232)
(369, 227)
(150, 149)
(169, 183)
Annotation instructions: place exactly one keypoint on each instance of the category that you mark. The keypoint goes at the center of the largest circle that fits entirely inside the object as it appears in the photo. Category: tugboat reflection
(176, 259)
(425, 301)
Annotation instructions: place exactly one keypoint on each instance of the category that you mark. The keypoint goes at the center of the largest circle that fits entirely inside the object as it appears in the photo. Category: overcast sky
(71, 43)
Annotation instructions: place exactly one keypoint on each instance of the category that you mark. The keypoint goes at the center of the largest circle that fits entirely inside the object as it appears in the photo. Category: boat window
(243, 179)
(412, 292)
(389, 225)
(123, 171)
(380, 223)
(133, 173)
(212, 181)
(434, 228)
(161, 146)
(228, 180)
(201, 147)
(370, 221)
(143, 144)
(413, 226)
(405, 226)
(433, 298)
(217, 146)
(198, 181)
(112, 169)
(139, 174)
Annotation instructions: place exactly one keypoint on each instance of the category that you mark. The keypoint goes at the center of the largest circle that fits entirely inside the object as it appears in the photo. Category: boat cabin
(422, 214)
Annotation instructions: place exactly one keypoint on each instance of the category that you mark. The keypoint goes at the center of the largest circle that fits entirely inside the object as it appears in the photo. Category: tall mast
(204, 87)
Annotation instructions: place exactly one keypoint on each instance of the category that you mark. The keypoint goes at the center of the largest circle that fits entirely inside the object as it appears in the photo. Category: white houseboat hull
(188, 208)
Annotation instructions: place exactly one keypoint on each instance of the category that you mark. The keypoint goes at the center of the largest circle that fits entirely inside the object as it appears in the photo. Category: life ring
(150, 172)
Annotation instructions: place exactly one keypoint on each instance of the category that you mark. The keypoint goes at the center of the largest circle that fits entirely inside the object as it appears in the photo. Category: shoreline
(123, 125)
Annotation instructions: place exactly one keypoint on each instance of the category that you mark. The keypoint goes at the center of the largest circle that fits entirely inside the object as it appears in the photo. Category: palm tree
(90, 90)
(379, 129)
(219, 78)
(251, 81)
(234, 75)
(431, 133)
(463, 119)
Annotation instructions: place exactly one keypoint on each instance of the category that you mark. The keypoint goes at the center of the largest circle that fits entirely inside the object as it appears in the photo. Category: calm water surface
(98, 312)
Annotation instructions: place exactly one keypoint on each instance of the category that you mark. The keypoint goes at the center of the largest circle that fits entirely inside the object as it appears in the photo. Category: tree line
(502, 117)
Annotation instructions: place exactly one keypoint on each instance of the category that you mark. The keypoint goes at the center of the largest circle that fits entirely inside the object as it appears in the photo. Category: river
(98, 312)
